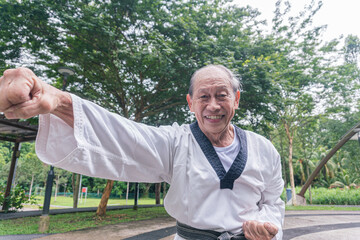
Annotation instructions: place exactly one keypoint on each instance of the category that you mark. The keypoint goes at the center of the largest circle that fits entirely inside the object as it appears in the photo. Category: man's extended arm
(96, 143)
(24, 95)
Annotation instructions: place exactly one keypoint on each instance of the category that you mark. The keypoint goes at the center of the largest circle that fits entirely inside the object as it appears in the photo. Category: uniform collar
(226, 178)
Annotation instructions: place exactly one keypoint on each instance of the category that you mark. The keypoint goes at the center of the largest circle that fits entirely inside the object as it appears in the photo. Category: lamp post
(65, 71)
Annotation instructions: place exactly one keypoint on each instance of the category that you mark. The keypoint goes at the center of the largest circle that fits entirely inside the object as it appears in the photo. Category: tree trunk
(283, 162)
(146, 190)
(127, 192)
(31, 185)
(302, 172)
(101, 211)
(157, 193)
(290, 137)
(75, 185)
(291, 170)
(308, 174)
(164, 190)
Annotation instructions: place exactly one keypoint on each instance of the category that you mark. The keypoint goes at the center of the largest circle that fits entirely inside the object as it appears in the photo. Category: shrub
(335, 196)
(16, 199)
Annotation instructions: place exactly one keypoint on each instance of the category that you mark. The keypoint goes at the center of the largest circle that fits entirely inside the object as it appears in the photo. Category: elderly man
(225, 183)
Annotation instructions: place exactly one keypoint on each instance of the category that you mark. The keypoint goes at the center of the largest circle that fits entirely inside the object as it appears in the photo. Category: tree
(5, 154)
(345, 180)
(99, 185)
(352, 49)
(119, 188)
(134, 58)
(296, 70)
(5, 158)
(331, 131)
(294, 117)
(61, 177)
(33, 166)
(329, 170)
(29, 168)
(303, 73)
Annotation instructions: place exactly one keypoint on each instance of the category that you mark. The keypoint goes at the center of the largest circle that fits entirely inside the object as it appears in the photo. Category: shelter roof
(14, 130)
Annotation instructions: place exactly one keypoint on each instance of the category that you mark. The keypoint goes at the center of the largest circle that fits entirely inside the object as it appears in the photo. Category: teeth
(214, 117)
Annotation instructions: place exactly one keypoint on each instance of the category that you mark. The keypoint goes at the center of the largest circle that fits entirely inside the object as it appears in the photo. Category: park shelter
(16, 131)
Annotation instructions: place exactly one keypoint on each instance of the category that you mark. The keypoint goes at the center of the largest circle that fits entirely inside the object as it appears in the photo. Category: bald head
(215, 71)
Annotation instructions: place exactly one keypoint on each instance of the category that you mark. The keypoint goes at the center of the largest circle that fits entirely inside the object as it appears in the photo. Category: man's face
(213, 100)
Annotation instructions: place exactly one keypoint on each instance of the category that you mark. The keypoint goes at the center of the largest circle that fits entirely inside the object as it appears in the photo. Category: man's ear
(189, 100)
(237, 99)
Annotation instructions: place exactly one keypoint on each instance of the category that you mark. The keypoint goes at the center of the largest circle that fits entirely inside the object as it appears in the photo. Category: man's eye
(222, 96)
(203, 96)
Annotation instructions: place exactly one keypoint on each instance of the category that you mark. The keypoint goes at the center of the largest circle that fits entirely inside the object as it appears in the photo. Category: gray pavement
(299, 225)
(319, 225)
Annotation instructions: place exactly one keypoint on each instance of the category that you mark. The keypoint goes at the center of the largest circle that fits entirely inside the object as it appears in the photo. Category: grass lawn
(324, 207)
(62, 202)
(75, 221)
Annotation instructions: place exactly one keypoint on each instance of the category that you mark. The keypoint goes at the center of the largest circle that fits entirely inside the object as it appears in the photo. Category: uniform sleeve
(106, 145)
(272, 208)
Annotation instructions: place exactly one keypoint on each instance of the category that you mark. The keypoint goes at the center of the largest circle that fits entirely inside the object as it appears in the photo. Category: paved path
(159, 228)
(299, 225)
(319, 225)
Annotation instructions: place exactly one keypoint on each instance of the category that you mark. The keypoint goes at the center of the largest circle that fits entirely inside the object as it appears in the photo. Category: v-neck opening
(228, 178)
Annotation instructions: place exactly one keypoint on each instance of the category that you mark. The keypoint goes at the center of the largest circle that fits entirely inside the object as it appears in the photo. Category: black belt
(188, 232)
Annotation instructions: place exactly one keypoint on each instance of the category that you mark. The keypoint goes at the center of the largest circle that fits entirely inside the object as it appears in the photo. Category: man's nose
(213, 105)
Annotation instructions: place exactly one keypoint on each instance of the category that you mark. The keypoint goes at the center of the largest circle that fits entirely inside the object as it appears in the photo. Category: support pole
(49, 184)
(15, 156)
(136, 196)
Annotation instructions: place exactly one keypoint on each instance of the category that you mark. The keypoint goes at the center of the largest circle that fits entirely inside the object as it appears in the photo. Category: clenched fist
(24, 95)
(254, 230)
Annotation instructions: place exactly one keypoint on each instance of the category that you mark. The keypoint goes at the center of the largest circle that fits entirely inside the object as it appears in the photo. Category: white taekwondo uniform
(201, 194)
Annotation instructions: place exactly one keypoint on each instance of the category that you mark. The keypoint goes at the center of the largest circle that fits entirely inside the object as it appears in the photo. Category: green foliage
(314, 92)
(352, 49)
(326, 196)
(322, 208)
(334, 196)
(29, 167)
(5, 152)
(135, 58)
(16, 199)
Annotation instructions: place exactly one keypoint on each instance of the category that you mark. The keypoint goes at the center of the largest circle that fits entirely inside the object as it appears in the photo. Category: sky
(341, 17)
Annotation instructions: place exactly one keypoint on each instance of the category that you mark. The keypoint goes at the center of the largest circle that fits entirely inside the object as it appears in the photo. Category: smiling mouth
(215, 117)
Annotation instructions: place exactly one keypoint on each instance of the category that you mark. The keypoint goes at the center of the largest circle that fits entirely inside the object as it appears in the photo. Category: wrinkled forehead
(212, 74)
